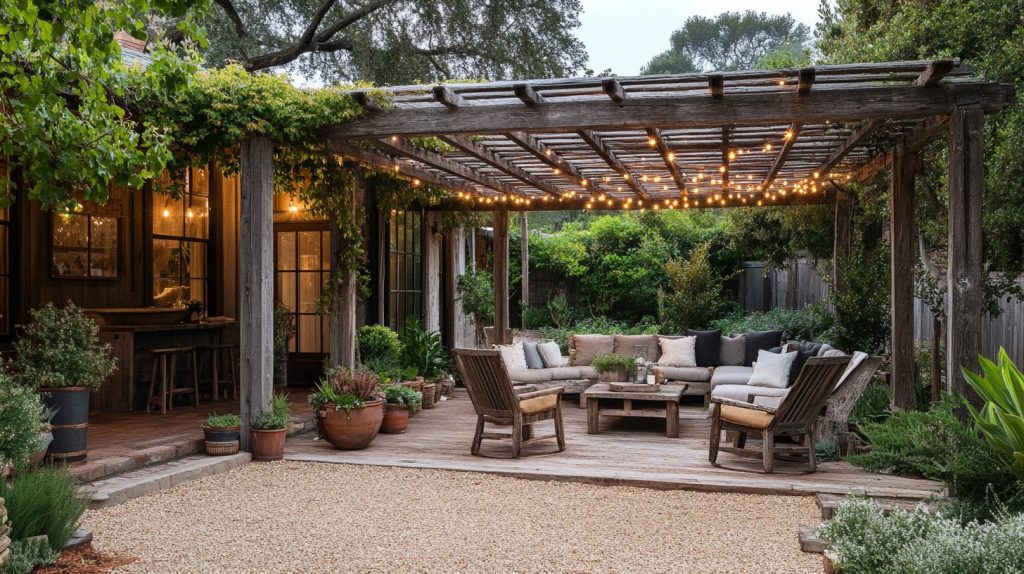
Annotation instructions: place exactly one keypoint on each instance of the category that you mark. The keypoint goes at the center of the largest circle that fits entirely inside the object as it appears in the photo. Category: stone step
(123, 487)
(828, 503)
(809, 541)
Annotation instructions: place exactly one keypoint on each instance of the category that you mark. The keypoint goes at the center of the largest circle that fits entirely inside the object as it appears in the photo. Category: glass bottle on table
(640, 356)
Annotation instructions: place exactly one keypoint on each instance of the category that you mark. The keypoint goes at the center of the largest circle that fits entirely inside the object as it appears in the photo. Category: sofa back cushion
(583, 349)
(732, 351)
(681, 352)
(772, 369)
(708, 345)
(533, 358)
(627, 344)
(760, 341)
(513, 356)
(551, 354)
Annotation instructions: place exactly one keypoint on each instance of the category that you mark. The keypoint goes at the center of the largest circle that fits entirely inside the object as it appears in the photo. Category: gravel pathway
(308, 517)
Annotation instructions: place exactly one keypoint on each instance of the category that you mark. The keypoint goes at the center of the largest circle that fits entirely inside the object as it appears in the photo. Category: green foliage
(729, 41)
(284, 330)
(936, 445)
(812, 323)
(61, 348)
(216, 421)
(476, 290)
(556, 313)
(874, 403)
(380, 351)
(422, 350)
(26, 555)
(276, 417)
(402, 395)
(1001, 419)
(71, 103)
(42, 501)
(825, 450)
(21, 418)
(695, 295)
(862, 539)
(862, 305)
(777, 234)
(346, 389)
(612, 362)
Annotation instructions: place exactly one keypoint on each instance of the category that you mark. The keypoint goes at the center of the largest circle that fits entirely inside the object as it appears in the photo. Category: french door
(301, 269)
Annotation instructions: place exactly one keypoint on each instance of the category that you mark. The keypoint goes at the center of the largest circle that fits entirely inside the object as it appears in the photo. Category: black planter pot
(70, 424)
(221, 434)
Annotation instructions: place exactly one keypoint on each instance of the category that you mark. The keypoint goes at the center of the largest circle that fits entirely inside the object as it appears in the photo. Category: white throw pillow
(772, 369)
(855, 361)
(550, 353)
(681, 352)
(514, 356)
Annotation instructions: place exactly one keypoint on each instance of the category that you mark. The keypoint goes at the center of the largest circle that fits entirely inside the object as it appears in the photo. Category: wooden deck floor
(627, 451)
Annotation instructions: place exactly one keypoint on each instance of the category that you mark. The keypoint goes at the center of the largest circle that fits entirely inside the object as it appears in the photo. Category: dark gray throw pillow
(760, 341)
(798, 363)
(533, 360)
(708, 346)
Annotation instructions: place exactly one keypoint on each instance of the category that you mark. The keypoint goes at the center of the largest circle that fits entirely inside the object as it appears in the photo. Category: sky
(624, 36)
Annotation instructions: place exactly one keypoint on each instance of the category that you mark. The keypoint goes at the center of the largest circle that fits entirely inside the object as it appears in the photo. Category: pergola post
(841, 236)
(965, 271)
(343, 319)
(500, 276)
(431, 274)
(256, 279)
(524, 259)
(901, 233)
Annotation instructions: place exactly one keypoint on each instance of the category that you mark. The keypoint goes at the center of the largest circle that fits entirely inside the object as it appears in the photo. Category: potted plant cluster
(284, 330)
(269, 430)
(424, 356)
(349, 407)
(60, 355)
(400, 401)
(614, 368)
(222, 434)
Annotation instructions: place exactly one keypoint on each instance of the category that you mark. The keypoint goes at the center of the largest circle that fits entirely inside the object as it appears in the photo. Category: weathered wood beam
(449, 97)
(367, 102)
(400, 147)
(477, 150)
(343, 317)
(580, 204)
(716, 85)
(852, 141)
(842, 227)
(386, 163)
(613, 89)
(668, 156)
(901, 253)
(725, 158)
(595, 143)
(527, 94)
(934, 73)
(924, 133)
(501, 318)
(805, 80)
(780, 160)
(552, 158)
(669, 112)
(524, 263)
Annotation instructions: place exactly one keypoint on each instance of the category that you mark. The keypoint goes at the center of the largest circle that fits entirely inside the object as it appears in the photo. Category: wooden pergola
(731, 139)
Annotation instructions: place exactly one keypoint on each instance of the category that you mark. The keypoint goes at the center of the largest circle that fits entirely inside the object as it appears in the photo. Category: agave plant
(1001, 419)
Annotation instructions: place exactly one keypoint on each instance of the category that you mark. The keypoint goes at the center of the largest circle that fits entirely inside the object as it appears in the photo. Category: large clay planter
(70, 425)
(353, 429)
(396, 419)
(267, 445)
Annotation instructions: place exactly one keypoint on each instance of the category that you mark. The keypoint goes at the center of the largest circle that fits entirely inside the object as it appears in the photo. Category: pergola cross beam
(438, 161)
(552, 158)
(601, 148)
(668, 156)
(780, 160)
(477, 150)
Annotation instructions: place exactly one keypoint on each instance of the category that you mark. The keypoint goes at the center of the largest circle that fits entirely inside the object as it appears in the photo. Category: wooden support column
(902, 238)
(841, 238)
(431, 273)
(500, 276)
(256, 279)
(965, 272)
(344, 317)
(524, 260)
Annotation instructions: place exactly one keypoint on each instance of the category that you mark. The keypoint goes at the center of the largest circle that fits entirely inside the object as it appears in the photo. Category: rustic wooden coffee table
(669, 395)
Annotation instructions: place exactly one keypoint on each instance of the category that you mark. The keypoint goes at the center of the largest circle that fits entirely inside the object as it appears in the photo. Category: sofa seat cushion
(587, 372)
(564, 373)
(746, 417)
(744, 392)
(538, 404)
(731, 375)
(686, 374)
(530, 375)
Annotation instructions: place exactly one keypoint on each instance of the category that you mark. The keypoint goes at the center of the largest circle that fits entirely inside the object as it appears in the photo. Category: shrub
(808, 324)
(378, 342)
(42, 501)
(21, 416)
(476, 290)
(1001, 419)
(695, 294)
(422, 351)
(26, 555)
(61, 348)
(862, 306)
(223, 421)
(862, 540)
(345, 388)
(276, 417)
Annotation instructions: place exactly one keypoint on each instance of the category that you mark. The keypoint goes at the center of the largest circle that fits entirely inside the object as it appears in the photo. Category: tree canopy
(729, 41)
(399, 41)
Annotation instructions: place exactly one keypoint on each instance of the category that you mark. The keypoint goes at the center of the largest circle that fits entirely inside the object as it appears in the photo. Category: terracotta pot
(267, 445)
(70, 426)
(353, 429)
(396, 419)
(44, 445)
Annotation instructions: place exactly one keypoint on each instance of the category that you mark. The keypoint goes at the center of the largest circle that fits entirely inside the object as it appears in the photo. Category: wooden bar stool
(217, 354)
(164, 367)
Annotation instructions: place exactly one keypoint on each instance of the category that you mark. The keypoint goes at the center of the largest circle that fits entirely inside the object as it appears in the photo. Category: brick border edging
(96, 470)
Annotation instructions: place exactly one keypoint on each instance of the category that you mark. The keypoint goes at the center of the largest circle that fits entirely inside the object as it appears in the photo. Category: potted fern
(349, 407)
(614, 368)
(269, 430)
(59, 354)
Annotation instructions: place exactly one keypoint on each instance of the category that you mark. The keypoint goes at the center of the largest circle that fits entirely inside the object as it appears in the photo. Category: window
(405, 268)
(302, 268)
(181, 242)
(83, 245)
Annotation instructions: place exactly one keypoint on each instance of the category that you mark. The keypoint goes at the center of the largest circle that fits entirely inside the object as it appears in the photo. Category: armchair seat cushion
(743, 392)
(731, 375)
(686, 374)
(529, 375)
(746, 417)
(538, 404)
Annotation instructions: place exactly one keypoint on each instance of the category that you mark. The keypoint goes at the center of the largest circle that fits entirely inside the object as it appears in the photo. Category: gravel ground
(310, 517)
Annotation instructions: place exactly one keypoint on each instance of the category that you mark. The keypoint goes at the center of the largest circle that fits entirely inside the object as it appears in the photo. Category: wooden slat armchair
(497, 403)
(796, 416)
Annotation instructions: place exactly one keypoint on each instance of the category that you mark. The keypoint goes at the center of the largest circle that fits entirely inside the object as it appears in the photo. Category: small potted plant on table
(400, 401)
(614, 368)
(349, 407)
(269, 431)
(222, 434)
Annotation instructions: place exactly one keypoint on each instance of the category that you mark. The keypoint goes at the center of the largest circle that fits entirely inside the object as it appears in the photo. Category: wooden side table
(668, 395)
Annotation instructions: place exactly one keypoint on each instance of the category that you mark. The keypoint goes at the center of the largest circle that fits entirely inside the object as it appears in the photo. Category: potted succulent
(269, 430)
(222, 434)
(349, 407)
(284, 330)
(59, 354)
(400, 400)
(614, 368)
